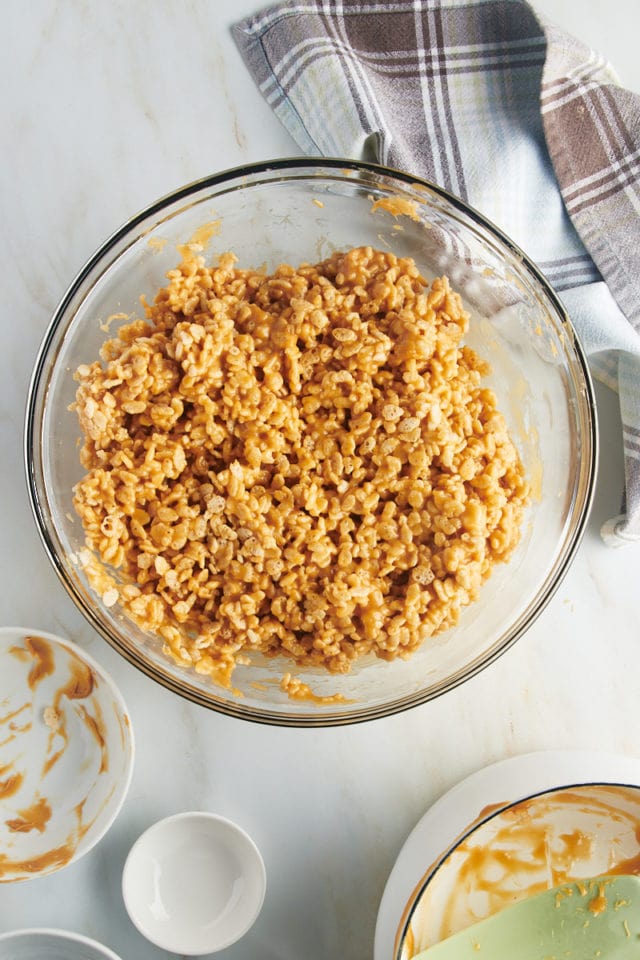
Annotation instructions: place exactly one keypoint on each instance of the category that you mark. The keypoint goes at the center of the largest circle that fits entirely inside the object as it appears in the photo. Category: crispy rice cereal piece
(303, 464)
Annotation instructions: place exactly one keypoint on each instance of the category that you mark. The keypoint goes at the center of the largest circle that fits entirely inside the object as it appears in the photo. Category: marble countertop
(105, 108)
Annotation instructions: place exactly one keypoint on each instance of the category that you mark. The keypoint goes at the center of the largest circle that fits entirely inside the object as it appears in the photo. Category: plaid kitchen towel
(496, 105)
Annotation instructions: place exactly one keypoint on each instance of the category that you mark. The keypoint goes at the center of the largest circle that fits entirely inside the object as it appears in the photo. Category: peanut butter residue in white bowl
(66, 753)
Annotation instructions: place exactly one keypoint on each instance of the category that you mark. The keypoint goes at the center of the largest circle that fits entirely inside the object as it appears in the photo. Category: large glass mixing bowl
(302, 210)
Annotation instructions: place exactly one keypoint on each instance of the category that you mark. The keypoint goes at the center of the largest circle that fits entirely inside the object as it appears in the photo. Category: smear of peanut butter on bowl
(44, 661)
(398, 206)
(10, 783)
(34, 817)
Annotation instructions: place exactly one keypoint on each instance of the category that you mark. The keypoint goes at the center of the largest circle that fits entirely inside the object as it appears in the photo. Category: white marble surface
(105, 107)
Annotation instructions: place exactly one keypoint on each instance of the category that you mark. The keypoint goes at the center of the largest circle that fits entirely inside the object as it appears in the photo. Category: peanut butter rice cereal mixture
(305, 463)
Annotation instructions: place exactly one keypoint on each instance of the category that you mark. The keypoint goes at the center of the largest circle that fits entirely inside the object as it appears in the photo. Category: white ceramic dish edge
(50, 933)
(501, 784)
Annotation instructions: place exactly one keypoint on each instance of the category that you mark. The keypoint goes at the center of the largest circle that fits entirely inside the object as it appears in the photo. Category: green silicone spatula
(596, 919)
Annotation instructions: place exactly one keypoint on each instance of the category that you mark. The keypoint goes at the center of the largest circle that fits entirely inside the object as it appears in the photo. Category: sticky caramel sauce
(623, 867)
(157, 243)
(53, 757)
(598, 903)
(14, 727)
(404, 934)
(199, 240)
(522, 848)
(20, 654)
(124, 725)
(79, 686)
(96, 727)
(35, 817)
(398, 207)
(43, 660)
(10, 783)
(488, 811)
(52, 859)
(409, 943)
(85, 825)
(10, 717)
(295, 689)
(527, 854)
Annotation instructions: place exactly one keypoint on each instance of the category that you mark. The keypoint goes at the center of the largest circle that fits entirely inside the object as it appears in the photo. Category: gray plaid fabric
(499, 107)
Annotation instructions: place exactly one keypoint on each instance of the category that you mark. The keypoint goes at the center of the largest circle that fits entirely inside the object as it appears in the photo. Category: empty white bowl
(66, 753)
(194, 883)
(48, 944)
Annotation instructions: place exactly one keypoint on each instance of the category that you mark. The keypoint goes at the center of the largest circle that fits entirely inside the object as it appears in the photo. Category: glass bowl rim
(183, 687)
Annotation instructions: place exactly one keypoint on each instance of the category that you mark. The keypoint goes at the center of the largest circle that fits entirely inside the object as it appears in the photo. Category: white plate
(66, 753)
(452, 816)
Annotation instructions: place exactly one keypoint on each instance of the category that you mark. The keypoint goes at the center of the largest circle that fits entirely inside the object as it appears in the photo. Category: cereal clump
(304, 463)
